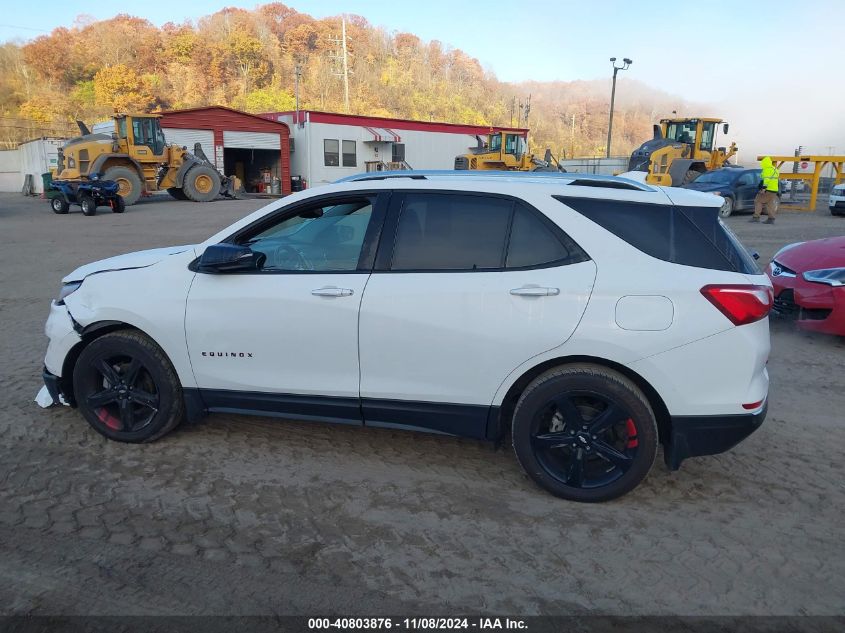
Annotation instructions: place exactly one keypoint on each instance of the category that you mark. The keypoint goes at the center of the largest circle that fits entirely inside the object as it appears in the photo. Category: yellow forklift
(681, 150)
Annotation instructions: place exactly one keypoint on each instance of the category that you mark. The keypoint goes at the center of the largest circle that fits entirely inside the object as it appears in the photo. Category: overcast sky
(773, 69)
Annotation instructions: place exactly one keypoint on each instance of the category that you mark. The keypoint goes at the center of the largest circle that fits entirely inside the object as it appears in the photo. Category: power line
(25, 28)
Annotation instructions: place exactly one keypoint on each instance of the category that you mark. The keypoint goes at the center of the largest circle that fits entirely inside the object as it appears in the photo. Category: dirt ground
(257, 516)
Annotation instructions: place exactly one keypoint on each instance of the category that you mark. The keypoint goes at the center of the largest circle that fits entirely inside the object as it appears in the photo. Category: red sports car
(809, 284)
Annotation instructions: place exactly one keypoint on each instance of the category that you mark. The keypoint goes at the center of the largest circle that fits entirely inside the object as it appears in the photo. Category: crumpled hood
(138, 259)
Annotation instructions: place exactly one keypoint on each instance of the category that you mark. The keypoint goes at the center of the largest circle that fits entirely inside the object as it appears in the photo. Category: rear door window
(474, 232)
(451, 232)
(533, 242)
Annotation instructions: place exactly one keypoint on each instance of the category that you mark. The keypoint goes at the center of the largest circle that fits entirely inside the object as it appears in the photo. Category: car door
(746, 189)
(471, 286)
(284, 338)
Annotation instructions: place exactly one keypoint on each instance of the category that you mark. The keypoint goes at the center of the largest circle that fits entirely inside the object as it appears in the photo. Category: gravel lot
(257, 516)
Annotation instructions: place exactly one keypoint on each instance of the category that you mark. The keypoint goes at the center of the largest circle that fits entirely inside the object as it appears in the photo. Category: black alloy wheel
(128, 399)
(585, 433)
(126, 388)
(585, 439)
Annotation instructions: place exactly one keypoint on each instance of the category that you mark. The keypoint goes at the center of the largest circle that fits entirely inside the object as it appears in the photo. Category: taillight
(742, 304)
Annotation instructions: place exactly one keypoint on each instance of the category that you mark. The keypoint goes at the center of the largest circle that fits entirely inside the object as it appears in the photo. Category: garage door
(187, 138)
(252, 140)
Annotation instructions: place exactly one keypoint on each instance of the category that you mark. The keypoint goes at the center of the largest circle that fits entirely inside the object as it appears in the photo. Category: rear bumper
(694, 436)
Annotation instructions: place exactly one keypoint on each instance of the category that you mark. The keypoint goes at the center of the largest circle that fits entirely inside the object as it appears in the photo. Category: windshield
(681, 131)
(716, 177)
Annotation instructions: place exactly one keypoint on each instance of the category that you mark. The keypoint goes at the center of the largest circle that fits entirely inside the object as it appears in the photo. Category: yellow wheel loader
(137, 157)
(681, 150)
(505, 151)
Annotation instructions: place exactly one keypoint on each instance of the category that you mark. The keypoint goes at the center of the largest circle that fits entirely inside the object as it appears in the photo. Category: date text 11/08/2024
(417, 623)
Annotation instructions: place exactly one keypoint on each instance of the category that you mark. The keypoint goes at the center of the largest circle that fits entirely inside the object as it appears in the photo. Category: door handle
(535, 291)
(331, 292)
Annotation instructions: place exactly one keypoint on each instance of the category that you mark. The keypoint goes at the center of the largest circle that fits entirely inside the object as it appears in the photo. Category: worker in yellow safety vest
(768, 197)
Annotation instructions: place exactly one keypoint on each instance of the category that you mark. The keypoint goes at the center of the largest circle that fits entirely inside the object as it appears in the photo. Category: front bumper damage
(51, 393)
(61, 330)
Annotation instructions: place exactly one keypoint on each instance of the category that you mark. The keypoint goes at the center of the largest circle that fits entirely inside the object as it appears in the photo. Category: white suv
(590, 318)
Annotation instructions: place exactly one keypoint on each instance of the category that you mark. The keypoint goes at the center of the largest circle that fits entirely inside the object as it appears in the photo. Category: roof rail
(564, 178)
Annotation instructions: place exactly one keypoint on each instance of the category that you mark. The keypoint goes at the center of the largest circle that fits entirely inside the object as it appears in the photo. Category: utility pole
(524, 109)
(625, 64)
(345, 68)
(297, 73)
(793, 184)
(572, 138)
(342, 56)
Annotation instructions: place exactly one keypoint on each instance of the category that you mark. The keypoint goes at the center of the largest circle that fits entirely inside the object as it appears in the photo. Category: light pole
(625, 64)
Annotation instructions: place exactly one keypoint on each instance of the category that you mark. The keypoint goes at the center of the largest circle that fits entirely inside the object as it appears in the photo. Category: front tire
(118, 205)
(127, 389)
(201, 183)
(128, 182)
(727, 208)
(88, 204)
(59, 205)
(585, 433)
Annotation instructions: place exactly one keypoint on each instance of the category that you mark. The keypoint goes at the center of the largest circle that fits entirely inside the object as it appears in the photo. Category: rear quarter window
(691, 236)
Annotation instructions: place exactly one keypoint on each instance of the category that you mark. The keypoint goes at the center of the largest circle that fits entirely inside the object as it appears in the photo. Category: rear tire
(584, 433)
(129, 182)
(88, 204)
(201, 183)
(127, 389)
(59, 206)
(176, 192)
(727, 208)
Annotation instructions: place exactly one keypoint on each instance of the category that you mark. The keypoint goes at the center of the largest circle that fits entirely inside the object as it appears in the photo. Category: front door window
(324, 238)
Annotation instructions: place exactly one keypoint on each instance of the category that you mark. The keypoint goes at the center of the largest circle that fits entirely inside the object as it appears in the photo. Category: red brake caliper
(632, 433)
(108, 419)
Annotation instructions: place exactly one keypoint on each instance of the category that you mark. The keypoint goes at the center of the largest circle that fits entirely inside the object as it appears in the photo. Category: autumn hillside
(246, 60)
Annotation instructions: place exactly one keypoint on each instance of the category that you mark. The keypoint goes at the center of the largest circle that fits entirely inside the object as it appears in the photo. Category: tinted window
(748, 178)
(532, 242)
(692, 236)
(320, 238)
(451, 232)
(716, 176)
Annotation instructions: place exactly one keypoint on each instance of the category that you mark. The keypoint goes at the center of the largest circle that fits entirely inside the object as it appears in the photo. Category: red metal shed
(248, 146)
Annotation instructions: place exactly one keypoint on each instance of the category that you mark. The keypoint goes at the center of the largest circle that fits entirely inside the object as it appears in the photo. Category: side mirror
(229, 258)
(725, 128)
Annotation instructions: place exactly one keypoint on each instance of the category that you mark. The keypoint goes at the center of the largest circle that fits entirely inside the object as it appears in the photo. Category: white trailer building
(327, 146)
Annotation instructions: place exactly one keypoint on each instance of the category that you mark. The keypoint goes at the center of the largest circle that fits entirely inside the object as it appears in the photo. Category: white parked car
(588, 317)
(836, 201)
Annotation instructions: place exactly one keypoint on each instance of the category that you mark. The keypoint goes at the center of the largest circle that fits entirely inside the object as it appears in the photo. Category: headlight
(829, 276)
(67, 289)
